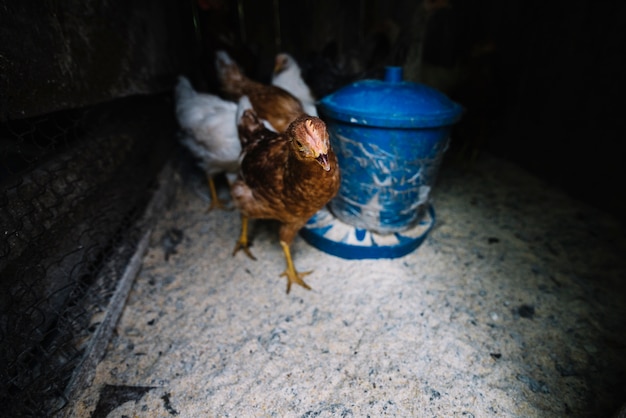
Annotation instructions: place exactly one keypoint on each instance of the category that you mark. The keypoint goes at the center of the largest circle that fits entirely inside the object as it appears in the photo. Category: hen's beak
(323, 160)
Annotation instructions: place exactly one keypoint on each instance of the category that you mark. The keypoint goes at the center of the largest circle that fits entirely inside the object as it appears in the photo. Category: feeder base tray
(331, 235)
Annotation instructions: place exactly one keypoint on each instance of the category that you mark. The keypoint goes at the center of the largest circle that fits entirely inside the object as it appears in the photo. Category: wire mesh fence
(73, 185)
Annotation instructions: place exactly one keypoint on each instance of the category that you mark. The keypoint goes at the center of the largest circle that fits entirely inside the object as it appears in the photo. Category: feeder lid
(391, 103)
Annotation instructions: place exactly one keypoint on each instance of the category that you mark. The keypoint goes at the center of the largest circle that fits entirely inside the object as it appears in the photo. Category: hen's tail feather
(222, 58)
(184, 90)
(248, 125)
(248, 121)
(245, 104)
(228, 72)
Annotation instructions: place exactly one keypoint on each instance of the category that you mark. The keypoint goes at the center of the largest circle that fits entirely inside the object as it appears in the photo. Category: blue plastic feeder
(389, 136)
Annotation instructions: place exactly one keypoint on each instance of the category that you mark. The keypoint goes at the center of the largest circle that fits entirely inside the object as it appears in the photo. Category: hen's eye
(299, 144)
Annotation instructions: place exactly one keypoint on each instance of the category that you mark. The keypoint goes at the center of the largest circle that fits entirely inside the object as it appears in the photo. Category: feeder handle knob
(393, 74)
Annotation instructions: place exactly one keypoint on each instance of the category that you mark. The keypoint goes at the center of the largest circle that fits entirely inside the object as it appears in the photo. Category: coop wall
(86, 126)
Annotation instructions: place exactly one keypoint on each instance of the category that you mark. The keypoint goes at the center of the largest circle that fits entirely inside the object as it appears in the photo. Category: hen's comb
(315, 136)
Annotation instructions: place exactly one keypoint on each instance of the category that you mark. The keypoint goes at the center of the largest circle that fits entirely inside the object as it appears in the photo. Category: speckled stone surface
(513, 306)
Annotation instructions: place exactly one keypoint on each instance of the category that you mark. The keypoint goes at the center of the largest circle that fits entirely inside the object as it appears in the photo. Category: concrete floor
(513, 306)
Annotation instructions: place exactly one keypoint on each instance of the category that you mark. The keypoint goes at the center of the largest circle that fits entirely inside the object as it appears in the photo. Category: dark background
(542, 82)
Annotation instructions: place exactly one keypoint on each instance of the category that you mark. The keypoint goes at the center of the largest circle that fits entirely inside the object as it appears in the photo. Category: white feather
(290, 79)
(244, 103)
(209, 128)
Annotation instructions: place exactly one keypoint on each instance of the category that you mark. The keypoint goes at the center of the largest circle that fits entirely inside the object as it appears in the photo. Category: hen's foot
(216, 202)
(243, 243)
(245, 246)
(295, 277)
(292, 275)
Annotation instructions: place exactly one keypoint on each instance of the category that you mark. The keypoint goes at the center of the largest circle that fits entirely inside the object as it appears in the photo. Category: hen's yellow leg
(243, 243)
(215, 201)
(292, 275)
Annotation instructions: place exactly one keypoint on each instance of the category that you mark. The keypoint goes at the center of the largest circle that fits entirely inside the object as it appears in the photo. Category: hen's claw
(245, 247)
(216, 202)
(243, 243)
(292, 275)
(295, 277)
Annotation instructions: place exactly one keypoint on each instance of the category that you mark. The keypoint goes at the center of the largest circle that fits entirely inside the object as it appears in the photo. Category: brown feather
(278, 183)
(271, 103)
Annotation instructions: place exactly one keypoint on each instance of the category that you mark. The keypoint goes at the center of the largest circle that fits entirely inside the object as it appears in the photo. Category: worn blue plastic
(334, 237)
(389, 136)
(391, 103)
(386, 174)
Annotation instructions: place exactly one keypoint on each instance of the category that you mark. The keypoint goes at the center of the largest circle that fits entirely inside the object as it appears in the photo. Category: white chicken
(209, 131)
(287, 75)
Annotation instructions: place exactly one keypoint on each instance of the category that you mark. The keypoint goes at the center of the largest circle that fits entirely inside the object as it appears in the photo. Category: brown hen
(272, 103)
(287, 177)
